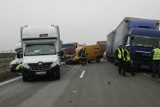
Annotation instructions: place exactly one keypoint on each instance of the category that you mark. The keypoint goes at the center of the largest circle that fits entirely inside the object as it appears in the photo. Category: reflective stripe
(156, 55)
(18, 67)
(120, 54)
(127, 56)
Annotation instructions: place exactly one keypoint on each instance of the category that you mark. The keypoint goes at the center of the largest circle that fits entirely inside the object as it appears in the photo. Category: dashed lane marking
(82, 74)
(11, 80)
(146, 75)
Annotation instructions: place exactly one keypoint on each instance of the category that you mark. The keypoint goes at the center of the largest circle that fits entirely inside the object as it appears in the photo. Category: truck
(69, 48)
(94, 53)
(16, 60)
(102, 44)
(41, 51)
(141, 34)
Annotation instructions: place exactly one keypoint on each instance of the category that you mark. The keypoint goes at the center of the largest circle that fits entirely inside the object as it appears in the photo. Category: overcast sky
(82, 21)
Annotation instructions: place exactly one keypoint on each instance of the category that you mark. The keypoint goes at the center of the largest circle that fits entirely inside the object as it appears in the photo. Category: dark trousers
(120, 65)
(156, 67)
(83, 61)
(128, 68)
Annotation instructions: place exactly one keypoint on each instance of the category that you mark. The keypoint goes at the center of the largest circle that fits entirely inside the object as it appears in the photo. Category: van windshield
(145, 41)
(40, 49)
(78, 52)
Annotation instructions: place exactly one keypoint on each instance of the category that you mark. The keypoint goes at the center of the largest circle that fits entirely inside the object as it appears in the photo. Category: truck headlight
(25, 65)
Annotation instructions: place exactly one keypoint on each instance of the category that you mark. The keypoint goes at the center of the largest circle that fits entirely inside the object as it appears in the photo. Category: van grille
(44, 66)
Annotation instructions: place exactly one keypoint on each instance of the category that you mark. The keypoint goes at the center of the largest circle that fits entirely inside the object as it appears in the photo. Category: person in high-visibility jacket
(119, 56)
(127, 61)
(156, 61)
(83, 57)
(19, 68)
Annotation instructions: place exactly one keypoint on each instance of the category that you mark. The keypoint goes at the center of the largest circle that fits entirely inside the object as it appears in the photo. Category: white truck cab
(16, 61)
(41, 48)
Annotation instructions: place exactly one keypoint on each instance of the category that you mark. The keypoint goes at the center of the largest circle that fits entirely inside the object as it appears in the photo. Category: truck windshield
(45, 49)
(145, 41)
(68, 47)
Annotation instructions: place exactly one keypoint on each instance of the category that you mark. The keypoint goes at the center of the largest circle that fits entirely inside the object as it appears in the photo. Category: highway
(94, 85)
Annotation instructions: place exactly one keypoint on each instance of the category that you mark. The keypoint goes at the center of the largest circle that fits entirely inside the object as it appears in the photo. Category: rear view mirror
(19, 55)
(60, 53)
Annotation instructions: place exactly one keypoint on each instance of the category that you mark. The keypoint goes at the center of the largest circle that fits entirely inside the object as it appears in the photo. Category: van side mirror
(60, 53)
(19, 55)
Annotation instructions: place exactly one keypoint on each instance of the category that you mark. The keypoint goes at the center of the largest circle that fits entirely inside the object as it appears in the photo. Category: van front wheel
(58, 74)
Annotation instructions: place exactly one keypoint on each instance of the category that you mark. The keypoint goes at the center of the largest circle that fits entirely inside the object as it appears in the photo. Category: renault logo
(40, 64)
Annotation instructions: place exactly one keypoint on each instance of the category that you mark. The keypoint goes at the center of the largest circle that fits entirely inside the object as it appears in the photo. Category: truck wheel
(26, 77)
(89, 61)
(58, 74)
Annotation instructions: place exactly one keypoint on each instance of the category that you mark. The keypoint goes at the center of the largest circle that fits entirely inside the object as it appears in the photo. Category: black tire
(27, 77)
(58, 74)
(89, 62)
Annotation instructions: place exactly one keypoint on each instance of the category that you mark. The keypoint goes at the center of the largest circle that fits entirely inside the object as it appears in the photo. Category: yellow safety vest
(128, 56)
(120, 54)
(18, 67)
(156, 55)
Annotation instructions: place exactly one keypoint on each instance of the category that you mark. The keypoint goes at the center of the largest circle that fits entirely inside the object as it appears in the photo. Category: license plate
(41, 73)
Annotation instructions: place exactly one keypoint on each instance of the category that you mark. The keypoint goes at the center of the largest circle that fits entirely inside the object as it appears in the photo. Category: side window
(80, 51)
(125, 40)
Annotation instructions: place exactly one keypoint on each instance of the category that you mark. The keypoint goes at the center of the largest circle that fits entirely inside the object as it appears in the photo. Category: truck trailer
(41, 51)
(141, 34)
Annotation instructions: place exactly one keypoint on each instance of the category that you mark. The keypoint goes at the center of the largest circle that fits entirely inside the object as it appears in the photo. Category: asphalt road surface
(94, 85)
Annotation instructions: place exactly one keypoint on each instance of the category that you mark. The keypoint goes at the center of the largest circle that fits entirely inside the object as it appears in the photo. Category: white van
(16, 61)
(41, 51)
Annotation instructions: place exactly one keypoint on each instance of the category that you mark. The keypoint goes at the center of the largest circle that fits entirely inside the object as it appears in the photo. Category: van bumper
(50, 72)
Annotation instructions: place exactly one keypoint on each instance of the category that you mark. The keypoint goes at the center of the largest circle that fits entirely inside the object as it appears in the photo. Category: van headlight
(25, 65)
(53, 64)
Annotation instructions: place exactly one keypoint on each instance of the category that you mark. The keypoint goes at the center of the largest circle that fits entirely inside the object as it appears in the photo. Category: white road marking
(11, 80)
(82, 74)
(146, 75)
(74, 91)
